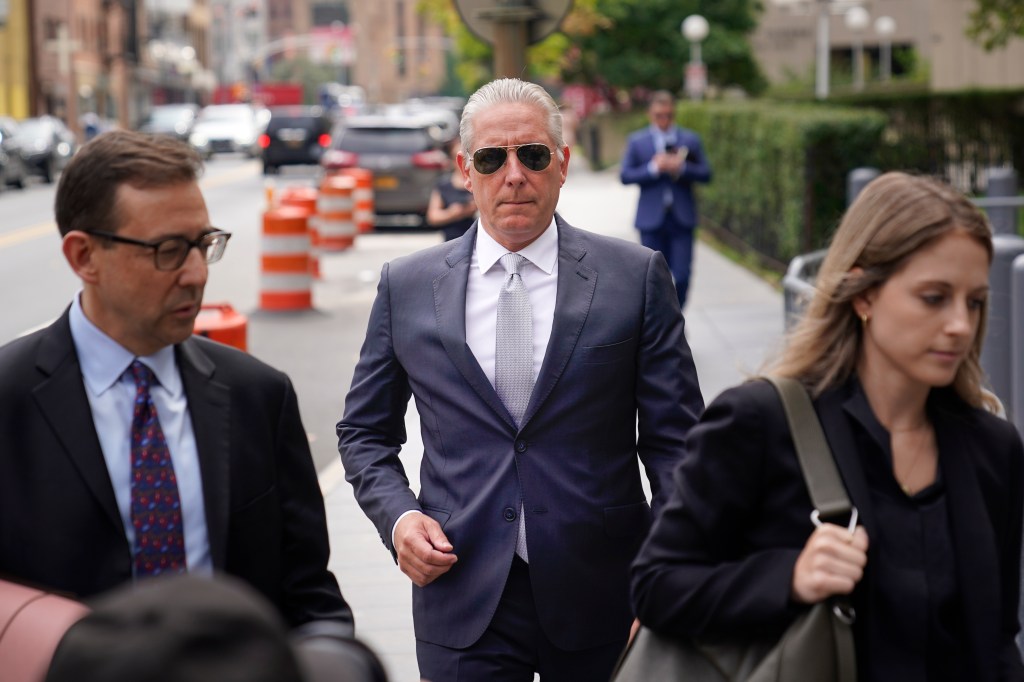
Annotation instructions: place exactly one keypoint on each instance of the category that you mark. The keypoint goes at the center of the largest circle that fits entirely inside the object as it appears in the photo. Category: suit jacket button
(510, 514)
(521, 446)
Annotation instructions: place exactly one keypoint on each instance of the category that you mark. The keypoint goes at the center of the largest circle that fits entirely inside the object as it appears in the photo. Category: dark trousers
(675, 241)
(514, 647)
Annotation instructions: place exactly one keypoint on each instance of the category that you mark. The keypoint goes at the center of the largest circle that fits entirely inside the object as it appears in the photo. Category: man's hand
(424, 552)
(671, 163)
(832, 562)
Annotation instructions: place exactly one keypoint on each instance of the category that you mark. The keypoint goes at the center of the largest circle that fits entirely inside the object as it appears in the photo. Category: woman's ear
(862, 302)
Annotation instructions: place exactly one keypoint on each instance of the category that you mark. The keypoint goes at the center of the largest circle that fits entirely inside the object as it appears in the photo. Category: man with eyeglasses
(544, 360)
(131, 449)
(666, 160)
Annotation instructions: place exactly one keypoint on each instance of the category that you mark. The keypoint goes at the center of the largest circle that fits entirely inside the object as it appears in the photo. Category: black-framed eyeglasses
(534, 155)
(170, 253)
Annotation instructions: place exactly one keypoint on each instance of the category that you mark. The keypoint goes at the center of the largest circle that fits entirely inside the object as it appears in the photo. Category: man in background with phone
(665, 160)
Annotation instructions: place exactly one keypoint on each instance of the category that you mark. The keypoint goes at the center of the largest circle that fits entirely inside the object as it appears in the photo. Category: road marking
(27, 234)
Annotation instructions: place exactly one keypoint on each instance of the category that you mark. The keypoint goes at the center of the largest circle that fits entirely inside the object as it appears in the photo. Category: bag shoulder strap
(828, 494)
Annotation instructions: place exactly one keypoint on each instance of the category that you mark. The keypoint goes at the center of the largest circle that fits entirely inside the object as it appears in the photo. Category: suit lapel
(209, 406)
(65, 406)
(576, 284)
(450, 307)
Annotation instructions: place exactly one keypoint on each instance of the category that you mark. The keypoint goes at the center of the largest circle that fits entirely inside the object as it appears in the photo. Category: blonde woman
(889, 351)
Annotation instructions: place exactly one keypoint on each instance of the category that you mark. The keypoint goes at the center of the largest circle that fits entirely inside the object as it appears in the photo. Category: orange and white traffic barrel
(335, 213)
(304, 198)
(285, 281)
(362, 196)
(221, 322)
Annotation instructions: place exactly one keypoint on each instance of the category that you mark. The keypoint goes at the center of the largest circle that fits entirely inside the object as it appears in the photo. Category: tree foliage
(994, 22)
(625, 44)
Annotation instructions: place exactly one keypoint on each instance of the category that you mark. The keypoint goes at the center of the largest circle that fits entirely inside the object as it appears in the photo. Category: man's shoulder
(639, 134)
(231, 364)
(603, 247)
(427, 264)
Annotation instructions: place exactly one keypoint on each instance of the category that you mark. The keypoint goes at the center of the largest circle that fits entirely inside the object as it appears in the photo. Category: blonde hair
(892, 219)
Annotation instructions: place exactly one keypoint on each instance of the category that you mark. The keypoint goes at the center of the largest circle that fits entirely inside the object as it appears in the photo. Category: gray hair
(511, 91)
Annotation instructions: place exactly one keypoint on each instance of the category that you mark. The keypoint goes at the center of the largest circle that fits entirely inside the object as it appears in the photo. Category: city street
(734, 321)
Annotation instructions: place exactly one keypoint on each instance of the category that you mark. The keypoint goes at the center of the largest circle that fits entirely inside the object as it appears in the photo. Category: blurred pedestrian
(889, 350)
(451, 205)
(131, 448)
(544, 360)
(666, 160)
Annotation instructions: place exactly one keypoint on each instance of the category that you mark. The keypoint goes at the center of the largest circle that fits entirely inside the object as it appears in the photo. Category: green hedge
(780, 171)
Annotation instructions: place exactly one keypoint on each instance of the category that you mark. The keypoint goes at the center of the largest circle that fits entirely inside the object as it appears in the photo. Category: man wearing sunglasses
(536, 353)
(666, 160)
(130, 449)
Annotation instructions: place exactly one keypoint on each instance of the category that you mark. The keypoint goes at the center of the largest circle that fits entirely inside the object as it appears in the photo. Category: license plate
(385, 182)
(294, 144)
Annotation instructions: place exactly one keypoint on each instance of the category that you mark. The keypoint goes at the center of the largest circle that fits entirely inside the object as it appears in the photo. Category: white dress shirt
(110, 389)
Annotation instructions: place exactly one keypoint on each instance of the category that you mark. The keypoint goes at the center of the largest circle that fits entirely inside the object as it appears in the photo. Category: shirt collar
(542, 252)
(103, 360)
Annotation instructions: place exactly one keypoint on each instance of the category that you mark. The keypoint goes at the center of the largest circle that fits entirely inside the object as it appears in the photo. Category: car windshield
(31, 128)
(384, 140)
(278, 122)
(226, 114)
(169, 115)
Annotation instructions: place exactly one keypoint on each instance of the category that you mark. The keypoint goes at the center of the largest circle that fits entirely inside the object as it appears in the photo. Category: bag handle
(828, 494)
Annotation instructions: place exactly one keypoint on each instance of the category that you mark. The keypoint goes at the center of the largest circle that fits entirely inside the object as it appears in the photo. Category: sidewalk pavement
(734, 322)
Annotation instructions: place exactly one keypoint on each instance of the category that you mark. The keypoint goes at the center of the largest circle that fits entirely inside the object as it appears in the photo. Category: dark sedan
(294, 135)
(46, 145)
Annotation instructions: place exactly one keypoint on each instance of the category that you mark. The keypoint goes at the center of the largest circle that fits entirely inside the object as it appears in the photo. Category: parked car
(46, 144)
(13, 171)
(295, 135)
(228, 128)
(171, 119)
(406, 156)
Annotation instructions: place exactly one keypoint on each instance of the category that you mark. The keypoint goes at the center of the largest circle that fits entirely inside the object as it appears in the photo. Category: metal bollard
(1002, 182)
(856, 180)
(1016, 411)
(997, 353)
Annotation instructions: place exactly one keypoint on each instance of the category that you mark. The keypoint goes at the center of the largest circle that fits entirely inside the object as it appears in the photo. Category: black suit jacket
(719, 560)
(617, 361)
(59, 524)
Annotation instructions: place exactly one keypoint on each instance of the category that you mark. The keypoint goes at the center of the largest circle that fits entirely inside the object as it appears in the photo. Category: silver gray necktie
(513, 355)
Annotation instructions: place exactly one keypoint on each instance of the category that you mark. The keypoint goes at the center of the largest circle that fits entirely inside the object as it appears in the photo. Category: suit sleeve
(633, 169)
(699, 571)
(697, 167)
(310, 591)
(372, 430)
(668, 395)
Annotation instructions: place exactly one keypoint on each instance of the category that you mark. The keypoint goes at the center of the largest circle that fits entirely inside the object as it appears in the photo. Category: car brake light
(337, 158)
(325, 141)
(264, 141)
(434, 159)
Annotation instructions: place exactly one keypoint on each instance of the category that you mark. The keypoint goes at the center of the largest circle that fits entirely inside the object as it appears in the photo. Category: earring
(864, 320)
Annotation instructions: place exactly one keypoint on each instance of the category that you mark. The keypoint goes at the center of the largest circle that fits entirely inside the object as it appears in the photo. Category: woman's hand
(832, 562)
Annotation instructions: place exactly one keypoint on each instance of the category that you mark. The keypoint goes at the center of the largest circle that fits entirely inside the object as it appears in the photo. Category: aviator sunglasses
(533, 155)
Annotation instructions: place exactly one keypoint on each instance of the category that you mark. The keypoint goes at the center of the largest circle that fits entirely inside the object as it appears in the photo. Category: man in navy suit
(665, 160)
(529, 512)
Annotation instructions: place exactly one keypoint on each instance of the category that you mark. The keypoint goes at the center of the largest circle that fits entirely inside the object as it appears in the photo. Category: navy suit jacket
(719, 561)
(650, 212)
(59, 523)
(617, 361)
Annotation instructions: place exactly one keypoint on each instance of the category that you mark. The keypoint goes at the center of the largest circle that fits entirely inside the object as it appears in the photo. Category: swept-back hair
(510, 91)
(892, 219)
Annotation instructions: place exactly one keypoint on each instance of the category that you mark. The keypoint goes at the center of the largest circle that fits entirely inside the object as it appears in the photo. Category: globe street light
(695, 29)
(857, 19)
(885, 27)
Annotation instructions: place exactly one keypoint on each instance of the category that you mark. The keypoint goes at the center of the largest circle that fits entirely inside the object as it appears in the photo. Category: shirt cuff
(402, 516)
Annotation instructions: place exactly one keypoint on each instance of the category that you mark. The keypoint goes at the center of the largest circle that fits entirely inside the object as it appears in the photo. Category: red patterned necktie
(156, 507)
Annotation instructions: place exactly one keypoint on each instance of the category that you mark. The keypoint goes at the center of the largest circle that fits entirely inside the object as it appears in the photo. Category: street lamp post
(885, 27)
(857, 20)
(695, 29)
